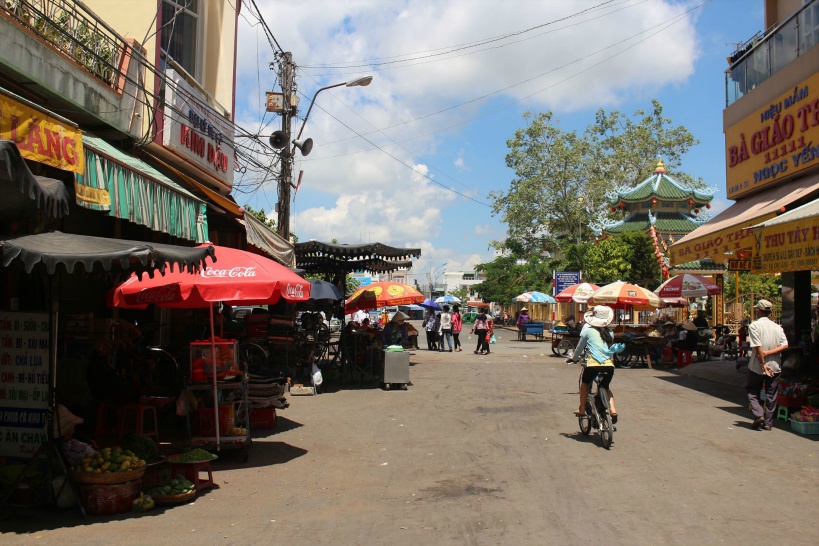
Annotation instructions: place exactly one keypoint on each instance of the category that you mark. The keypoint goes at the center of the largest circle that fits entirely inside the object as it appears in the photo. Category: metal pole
(286, 156)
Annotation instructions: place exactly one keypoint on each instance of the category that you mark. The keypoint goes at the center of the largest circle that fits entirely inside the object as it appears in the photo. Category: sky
(410, 160)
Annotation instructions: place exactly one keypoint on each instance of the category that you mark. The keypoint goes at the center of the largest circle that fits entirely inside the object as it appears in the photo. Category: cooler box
(262, 418)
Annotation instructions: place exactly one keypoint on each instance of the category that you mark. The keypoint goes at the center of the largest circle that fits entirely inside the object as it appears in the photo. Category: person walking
(445, 331)
(767, 341)
(481, 329)
(429, 327)
(457, 325)
(523, 320)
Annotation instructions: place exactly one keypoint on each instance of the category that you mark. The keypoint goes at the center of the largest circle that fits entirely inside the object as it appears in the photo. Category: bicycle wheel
(563, 347)
(624, 359)
(586, 422)
(607, 432)
(252, 357)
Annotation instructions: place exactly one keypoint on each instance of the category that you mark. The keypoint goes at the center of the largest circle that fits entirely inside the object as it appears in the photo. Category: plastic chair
(782, 413)
(139, 411)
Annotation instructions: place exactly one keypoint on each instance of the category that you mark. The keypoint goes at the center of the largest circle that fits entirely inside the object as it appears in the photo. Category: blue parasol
(429, 304)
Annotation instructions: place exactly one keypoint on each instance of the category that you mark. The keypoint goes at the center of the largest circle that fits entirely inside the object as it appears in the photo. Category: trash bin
(396, 368)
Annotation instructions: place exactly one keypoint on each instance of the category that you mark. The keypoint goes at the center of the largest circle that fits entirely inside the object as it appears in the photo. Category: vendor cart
(395, 369)
(231, 430)
(564, 341)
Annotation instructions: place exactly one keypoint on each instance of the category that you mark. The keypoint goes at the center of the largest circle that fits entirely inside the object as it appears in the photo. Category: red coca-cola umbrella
(237, 277)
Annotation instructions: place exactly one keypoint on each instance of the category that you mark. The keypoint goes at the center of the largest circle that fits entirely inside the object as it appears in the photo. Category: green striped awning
(130, 189)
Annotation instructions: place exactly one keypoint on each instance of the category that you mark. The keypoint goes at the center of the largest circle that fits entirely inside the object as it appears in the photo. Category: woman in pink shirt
(457, 324)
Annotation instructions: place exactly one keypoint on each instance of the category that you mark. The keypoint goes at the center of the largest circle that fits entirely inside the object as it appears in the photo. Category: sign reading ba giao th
(40, 137)
(791, 246)
(774, 142)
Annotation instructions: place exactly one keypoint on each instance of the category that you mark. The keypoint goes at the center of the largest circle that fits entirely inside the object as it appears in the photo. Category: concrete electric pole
(286, 166)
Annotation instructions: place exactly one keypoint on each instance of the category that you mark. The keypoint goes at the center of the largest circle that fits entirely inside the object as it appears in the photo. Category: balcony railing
(70, 27)
(763, 55)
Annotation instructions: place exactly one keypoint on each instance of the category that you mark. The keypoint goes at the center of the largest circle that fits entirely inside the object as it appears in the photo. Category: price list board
(24, 382)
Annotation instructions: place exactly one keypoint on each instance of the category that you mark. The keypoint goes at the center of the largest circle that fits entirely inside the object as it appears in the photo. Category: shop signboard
(24, 382)
(716, 245)
(194, 131)
(40, 137)
(789, 246)
(565, 279)
(775, 142)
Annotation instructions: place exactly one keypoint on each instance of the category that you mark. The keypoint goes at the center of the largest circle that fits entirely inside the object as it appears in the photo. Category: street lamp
(433, 276)
(280, 139)
(580, 200)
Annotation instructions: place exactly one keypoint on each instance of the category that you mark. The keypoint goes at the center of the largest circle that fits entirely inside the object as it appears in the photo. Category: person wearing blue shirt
(597, 340)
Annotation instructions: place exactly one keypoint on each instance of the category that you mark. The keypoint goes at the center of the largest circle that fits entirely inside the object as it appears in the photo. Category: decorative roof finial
(660, 168)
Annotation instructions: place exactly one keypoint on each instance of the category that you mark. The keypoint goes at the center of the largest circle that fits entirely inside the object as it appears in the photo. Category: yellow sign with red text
(718, 246)
(40, 137)
(791, 246)
(775, 142)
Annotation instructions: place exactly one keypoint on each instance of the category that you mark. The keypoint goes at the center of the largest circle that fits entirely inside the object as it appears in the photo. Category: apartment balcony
(60, 54)
(765, 54)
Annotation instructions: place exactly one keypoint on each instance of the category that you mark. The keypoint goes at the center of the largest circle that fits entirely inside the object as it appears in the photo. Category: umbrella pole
(213, 367)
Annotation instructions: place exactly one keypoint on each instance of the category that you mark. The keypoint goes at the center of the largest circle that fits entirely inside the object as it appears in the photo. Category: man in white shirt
(767, 341)
(360, 315)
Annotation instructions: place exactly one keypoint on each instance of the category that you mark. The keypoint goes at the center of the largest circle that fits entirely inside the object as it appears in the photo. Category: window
(180, 33)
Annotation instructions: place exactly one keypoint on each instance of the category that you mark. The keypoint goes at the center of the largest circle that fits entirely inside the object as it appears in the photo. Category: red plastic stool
(139, 411)
(683, 358)
(668, 356)
(191, 472)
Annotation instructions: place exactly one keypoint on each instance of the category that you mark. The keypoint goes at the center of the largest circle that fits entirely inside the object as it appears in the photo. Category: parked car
(469, 316)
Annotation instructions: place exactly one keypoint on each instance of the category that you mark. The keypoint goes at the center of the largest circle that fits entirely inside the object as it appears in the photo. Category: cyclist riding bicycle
(598, 340)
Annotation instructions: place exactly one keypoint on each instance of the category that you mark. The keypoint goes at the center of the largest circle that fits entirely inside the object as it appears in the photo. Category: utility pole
(286, 166)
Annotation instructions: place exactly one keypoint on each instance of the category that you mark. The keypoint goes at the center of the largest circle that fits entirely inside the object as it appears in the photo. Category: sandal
(476, 352)
(579, 414)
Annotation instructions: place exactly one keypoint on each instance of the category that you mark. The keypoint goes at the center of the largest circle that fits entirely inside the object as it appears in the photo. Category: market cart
(564, 340)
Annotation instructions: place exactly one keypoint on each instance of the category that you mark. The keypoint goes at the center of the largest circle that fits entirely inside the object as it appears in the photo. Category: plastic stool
(139, 411)
(782, 412)
(191, 473)
(668, 356)
(683, 358)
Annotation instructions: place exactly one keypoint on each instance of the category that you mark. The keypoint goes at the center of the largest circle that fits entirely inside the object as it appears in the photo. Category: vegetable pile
(197, 455)
(110, 459)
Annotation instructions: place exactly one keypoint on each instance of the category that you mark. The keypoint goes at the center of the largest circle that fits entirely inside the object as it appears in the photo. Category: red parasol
(236, 277)
(577, 293)
(687, 285)
(382, 294)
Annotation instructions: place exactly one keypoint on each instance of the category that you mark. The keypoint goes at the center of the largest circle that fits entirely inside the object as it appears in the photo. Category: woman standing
(598, 339)
(457, 324)
(481, 329)
(429, 327)
(445, 329)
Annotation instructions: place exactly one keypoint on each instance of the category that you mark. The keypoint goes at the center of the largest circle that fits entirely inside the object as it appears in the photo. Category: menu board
(24, 382)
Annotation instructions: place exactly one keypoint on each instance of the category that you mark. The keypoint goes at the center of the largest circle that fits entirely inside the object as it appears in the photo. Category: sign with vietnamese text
(24, 382)
(789, 246)
(565, 279)
(40, 137)
(715, 245)
(739, 265)
(775, 142)
(195, 131)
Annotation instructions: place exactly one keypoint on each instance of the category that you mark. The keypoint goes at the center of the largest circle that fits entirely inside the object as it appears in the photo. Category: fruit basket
(167, 500)
(103, 478)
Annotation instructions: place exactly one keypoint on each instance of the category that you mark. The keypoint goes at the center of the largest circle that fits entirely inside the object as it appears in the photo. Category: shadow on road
(729, 393)
(262, 453)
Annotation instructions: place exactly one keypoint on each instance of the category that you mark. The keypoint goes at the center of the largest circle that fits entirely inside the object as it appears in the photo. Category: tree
(627, 257)
(555, 168)
(514, 273)
(460, 293)
(261, 216)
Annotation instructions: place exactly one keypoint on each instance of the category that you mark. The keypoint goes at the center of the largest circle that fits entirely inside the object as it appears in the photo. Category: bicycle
(597, 414)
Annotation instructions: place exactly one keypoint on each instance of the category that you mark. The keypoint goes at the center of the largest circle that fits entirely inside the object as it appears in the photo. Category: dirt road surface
(485, 450)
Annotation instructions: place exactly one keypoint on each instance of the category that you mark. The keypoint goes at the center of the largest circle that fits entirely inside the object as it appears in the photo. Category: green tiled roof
(662, 187)
(667, 222)
(702, 265)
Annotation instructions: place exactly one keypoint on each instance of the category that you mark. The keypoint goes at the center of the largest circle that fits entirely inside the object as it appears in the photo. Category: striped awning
(130, 189)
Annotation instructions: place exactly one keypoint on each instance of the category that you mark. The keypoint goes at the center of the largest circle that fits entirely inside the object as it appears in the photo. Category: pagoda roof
(664, 188)
(705, 267)
(663, 222)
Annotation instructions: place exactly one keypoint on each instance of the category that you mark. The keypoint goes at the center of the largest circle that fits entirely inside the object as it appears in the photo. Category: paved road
(485, 450)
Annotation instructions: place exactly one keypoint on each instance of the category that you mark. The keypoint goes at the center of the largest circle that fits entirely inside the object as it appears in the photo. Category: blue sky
(410, 159)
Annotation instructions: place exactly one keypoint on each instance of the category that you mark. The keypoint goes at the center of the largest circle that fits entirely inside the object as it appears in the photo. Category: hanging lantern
(622, 205)
(696, 211)
(781, 209)
(690, 202)
(653, 201)
(708, 205)
(613, 209)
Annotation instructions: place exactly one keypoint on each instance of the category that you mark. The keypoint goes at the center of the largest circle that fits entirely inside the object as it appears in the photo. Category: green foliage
(762, 286)
(460, 293)
(554, 168)
(512, 274)
(627, 257)
(261, 216)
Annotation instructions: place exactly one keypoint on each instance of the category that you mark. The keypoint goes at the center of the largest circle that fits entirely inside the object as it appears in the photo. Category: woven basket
(107, 477)
(166, 500)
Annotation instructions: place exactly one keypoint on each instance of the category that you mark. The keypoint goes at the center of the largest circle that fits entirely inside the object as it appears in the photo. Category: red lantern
(696, 211)
(708, 205)
(781, 209)
(613, 209)
(653, 201)
(690, 202)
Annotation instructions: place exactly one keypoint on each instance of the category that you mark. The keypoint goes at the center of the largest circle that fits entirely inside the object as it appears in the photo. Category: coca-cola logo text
(163, 294)
(234, 272)
(294, 291)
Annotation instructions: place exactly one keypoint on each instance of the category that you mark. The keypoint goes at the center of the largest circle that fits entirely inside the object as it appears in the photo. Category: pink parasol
(687, 285)
(578, 293)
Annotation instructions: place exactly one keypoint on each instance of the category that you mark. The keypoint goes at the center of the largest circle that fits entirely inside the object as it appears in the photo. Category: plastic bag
(488, 337)
(317, 378)
(492, 339)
